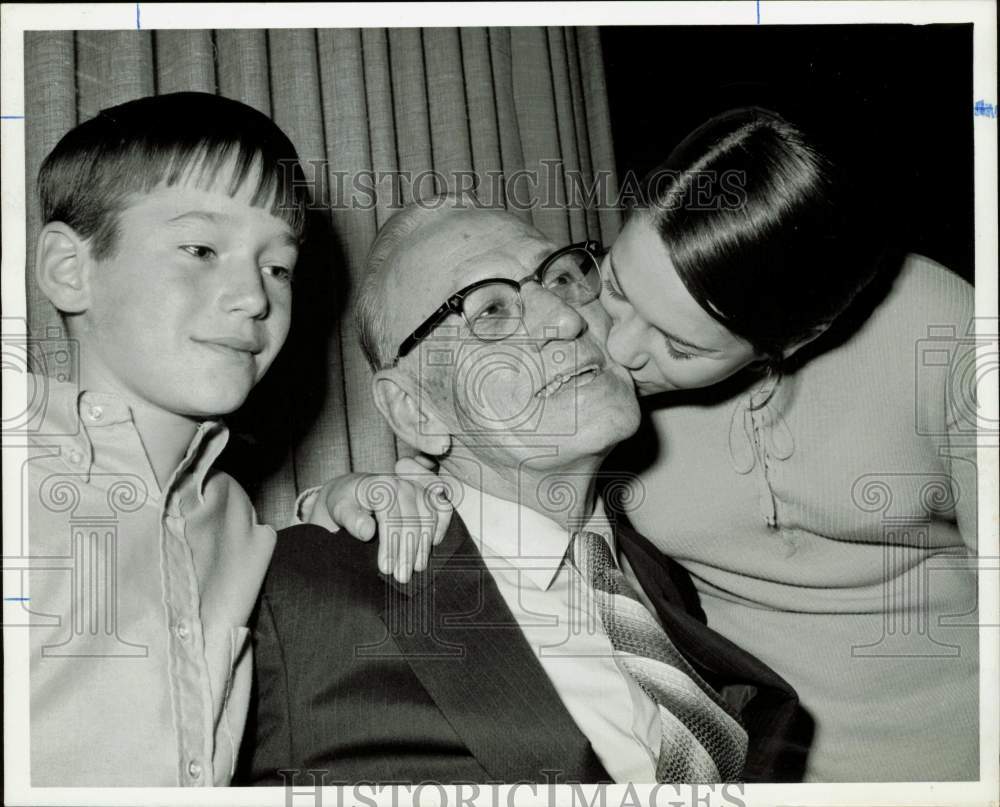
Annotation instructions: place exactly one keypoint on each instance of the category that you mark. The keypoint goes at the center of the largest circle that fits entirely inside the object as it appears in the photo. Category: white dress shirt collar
(530, 541)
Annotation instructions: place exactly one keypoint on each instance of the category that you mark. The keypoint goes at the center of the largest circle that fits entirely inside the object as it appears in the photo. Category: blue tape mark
(11, 117)
(758, 12)
(138, 22)
(17, 599)
(982, 109)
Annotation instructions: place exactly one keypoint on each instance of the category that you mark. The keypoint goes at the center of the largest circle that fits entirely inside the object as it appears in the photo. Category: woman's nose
(626, 343)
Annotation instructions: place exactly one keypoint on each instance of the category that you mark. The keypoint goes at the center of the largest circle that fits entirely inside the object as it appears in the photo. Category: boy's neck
(165, 435)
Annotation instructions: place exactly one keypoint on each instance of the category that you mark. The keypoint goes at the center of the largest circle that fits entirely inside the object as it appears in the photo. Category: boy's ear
(62, 267)
(400, 405)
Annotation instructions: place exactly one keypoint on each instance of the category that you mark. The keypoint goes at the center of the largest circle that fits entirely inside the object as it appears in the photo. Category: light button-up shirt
(140, 663)
(526, 554)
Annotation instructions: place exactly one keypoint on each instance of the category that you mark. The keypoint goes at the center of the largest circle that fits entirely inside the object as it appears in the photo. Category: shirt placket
(759, 438)
(759, 420)
(190, 691)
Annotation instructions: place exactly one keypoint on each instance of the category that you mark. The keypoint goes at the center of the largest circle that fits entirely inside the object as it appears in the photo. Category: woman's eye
(612, 291)
(677, 354)
(198, 251)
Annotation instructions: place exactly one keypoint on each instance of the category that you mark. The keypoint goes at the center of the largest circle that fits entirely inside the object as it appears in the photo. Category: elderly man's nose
(550, 317)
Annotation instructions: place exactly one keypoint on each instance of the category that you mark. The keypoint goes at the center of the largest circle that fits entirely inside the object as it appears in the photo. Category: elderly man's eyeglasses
(493, 308)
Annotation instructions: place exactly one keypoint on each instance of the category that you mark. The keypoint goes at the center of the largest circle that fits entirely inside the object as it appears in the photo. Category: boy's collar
(81, 414)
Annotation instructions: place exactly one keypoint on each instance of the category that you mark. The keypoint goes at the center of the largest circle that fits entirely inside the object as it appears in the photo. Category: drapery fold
(520, 114)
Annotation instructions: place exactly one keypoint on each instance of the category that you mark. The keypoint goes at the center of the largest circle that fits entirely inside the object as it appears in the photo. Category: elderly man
(528, 650)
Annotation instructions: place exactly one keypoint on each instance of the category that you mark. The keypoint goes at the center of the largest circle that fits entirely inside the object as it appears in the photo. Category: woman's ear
(404, 410)
(62, 267)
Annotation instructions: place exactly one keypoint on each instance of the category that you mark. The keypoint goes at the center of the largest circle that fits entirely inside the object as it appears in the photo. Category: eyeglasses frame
(453, 305)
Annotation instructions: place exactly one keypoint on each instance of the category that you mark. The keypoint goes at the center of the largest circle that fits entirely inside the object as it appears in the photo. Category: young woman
(809, 446)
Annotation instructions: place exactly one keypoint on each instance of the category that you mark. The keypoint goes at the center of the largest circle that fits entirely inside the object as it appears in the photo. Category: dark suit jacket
(368, 680)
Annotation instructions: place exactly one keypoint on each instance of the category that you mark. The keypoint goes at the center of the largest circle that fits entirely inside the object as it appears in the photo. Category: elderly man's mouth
(580, 376)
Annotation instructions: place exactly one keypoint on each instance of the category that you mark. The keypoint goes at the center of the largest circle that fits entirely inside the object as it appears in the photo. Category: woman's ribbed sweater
(830, 530)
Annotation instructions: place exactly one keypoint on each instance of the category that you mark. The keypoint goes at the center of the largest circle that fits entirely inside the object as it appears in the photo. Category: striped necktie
(700, 739)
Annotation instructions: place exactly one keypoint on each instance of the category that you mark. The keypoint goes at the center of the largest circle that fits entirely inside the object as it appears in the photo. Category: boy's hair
(88, 178)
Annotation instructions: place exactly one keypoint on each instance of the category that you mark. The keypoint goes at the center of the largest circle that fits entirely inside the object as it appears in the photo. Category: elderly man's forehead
(467, 242)
(488, 229)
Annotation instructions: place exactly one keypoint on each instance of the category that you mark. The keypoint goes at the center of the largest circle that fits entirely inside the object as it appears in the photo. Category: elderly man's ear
(62, 267)
(400, 402)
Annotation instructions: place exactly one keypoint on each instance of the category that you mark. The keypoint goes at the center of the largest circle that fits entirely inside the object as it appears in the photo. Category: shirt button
(182, 632)
(96, 412)
(194, 769)
(76, 457)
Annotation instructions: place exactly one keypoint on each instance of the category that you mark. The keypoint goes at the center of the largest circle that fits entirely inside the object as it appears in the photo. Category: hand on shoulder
(406, 509)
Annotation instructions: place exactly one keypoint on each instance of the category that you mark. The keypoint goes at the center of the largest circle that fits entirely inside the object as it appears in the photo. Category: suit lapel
(463, 643)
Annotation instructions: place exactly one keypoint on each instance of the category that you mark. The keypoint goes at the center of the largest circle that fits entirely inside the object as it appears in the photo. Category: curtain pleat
(579, 101)
(602, 150)
(409, 97)
(112, 67)
(538, 125)
(184, 61)
(566, 129)
(449, 117)
(484, 137)
(50, 63)
(349, 151)
(381, 122)
(521, 113)
(517, 186)
(242, 66)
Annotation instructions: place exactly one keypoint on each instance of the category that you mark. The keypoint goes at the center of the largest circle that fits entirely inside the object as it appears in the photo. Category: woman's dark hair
(89, 177)
(760, 228)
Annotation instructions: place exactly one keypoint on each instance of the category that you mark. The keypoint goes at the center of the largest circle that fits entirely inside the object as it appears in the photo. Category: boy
(171, 230)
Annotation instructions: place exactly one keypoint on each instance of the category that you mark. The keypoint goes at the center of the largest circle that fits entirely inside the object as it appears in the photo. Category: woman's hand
(407, 509)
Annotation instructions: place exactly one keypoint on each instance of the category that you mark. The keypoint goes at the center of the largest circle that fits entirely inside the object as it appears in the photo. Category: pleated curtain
(499, 101)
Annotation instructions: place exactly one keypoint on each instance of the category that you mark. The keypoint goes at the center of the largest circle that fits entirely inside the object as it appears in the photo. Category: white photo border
(16, 19)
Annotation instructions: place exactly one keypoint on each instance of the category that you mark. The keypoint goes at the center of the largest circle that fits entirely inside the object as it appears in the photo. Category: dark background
(892, 103)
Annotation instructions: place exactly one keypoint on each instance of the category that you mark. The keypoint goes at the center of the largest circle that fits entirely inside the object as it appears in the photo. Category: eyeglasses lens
(575, 277)
(493, 312)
